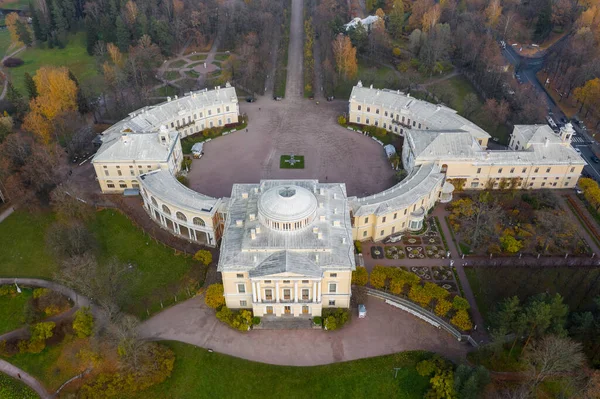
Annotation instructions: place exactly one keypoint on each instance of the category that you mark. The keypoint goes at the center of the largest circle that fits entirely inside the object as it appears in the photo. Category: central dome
(287, 207)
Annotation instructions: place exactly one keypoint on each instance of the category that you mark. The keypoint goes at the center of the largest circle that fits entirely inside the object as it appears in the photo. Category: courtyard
(276, 128)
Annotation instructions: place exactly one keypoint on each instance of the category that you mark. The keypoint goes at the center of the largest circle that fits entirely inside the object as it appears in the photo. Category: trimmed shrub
(255, 320)
(214, 296)
(443, 307)
(335, 318)
(317, 320)
(378, 277)
(460, 303)
(419, 295)
(360, 276)
(462, 320)
(241, 320)
(203, 256)
(12, 62)
(358, 246)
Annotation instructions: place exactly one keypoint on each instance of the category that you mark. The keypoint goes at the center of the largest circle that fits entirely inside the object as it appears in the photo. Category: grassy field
(198, 373)
(24, 251)
(283, 164)
(13, 389)
(11, 310)
(375, 75)
(157, 268)
(165, 91)
(74, 56)
(171, 75)
(15, 4)
(4, 41)
(578, 286)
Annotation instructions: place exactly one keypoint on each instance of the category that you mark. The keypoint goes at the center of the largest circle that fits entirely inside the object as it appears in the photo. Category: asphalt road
(527, 68)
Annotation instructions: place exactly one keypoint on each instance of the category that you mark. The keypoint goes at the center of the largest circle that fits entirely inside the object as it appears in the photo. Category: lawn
(192, 74)
(455, 89)
(221, 57)
(74, 56)
(24, 251)
(171, 75)
(11, 310)
(15, 4)
(197, 57)
(198, 373)
(378, 76)
(177, 64)
(165, 91)
(4, 41)
(14, 389)
(578, 286)
(157, 269)
(284, 164)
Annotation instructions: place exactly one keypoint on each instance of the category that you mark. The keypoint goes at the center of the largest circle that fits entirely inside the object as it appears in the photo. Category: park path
(32, 382)
(5, 85)
(294, 89)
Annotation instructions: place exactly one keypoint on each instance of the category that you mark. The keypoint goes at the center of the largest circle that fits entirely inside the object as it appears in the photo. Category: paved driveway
(386, 330)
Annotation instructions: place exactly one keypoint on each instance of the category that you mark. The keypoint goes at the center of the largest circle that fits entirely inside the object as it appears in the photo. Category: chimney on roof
(253, 234)
(320, 236)
(257, 229)
(343, 240)
(169, 99)
(316, 258)
(546, 141)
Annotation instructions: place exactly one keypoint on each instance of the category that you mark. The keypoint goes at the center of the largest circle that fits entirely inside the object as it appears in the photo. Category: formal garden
(514, 223)
(192, 71)
(210, 133)
(291, 162)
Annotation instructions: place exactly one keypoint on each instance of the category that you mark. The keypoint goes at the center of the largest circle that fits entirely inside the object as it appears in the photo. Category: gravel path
(294, 88)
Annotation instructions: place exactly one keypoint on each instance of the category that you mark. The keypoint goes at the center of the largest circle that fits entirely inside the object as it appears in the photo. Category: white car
(577, 150)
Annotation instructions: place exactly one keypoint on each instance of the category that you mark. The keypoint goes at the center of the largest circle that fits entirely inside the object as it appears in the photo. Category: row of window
(189, 118)
(122, 184)
(391, 115)
(197, 221)
(524, 170)
(287, 292)
(132, 170)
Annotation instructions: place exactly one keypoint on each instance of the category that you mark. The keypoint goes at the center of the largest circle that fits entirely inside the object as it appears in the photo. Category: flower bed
(442, 273)
(395, 252)
(415, 252)
(435, 251)
(411, 240)
(423, 272)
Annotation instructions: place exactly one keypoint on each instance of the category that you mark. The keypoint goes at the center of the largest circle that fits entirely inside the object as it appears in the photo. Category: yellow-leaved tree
(57, 94)
(11, 23)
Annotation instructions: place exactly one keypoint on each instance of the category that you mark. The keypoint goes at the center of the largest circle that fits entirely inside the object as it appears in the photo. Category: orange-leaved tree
(57, 94)
(11, 23)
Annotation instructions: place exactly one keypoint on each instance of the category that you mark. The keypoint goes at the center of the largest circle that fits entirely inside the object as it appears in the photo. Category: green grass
(197, 57)
(24, 251)
(157, 269)
(74, 56)
(198, 373)
(171, 75)
(156, 266)
(195, 64)
(177, 64)
(370, 74)
(221, 57)
(165, 91)
(578, 286)
(15, 4)
(286, 165)
(455, 89)
(192, 74)
(11, 310)
(11, 388)
(4, 41)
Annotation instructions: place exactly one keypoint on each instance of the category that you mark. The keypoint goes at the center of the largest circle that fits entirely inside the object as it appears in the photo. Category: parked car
(577, 150)
(595, 159)
(250, 99)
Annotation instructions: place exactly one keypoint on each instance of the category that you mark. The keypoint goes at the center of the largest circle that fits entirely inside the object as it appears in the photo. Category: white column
(276, 291)
(190, 233)
(162, 220)
(314, 292)
(319, 290)
(253, 291)
(296, 291)
(195, 236)
(258, 291)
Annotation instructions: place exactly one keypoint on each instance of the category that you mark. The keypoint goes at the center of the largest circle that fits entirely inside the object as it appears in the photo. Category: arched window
(181, 216)
(166, 209)
(199, 222)
(122, 184)
(154, 202)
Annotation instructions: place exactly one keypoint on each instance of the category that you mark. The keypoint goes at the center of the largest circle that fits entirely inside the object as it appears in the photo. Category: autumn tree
(496, 111)
(419, 8)
(360, 276)
(57, 93)
(203, 256)
(431, 18)
(11, 24)
(396, 19)
(214, 296)
(345, 57)
(83, 324)
(493, 13)
(588, 94)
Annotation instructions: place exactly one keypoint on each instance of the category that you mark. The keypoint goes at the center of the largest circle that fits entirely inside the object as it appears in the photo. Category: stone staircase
(284, 323)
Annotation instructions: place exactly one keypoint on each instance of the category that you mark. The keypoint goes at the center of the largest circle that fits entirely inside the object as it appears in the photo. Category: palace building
(287, 248)
(287, 245)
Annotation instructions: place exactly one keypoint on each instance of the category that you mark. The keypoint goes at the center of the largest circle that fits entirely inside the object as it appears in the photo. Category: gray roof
(142, 147)
(421, 182)
(333, 250)
(437, 117)
(167, 188)
(286, 262)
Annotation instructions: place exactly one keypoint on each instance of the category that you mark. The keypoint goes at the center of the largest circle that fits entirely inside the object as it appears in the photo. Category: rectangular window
(524, 170)
(286, 281)
(499, 170)
(572, 170)
(331, 303)
(268, 295)
(332, 288)
(512, 170)
(218, 110)
(243, 304)
(383, 219)
(132, 172)
(190, 119)
(395, 216)
(123, 185)
(267, 281)
(333, 275)
(241, 288)
(543, 184)
(393, 229)
(366, 220)
(111, 185)
(536, 170)
(240, 275)
(195, 116)
(119, 172)
(305, 294)
(106, 173)
(419, 125)
(405, 211)
(478, 170)
(287, 294)
(227, 108)
(548, 170)
(358, 119)
(209, 112)
(381, 232)
(364, 233)
(305, 281)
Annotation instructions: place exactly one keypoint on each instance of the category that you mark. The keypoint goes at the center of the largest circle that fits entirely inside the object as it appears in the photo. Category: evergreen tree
(83, 105)
(123, 37)
(38, 32)
(91, 36)
(16, 100)
(60, 22)
(30, 86)
(396, 20)
(24, 34)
